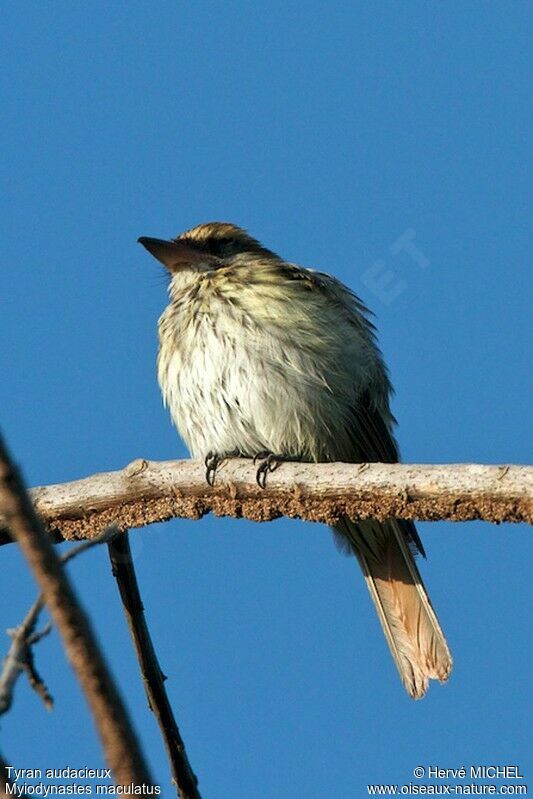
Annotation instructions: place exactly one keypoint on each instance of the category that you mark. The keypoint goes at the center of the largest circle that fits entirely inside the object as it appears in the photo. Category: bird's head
(205, 246)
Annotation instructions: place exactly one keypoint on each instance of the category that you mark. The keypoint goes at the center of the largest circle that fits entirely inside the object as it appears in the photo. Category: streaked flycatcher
(259, 356)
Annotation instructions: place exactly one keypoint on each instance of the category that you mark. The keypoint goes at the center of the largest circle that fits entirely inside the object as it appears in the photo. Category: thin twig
(146, 492)
(20, 657)
(183, 776)
(34, 678)
(121, 748)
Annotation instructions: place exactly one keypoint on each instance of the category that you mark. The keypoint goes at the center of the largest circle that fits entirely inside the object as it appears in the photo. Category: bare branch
(120, 745)
(146, 492)
(183, 776)
(20, 655)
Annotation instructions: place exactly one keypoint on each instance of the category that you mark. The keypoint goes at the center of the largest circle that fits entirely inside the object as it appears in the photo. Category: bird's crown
(222, 239)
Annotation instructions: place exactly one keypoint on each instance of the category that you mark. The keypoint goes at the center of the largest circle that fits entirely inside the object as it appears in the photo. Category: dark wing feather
(372, 441)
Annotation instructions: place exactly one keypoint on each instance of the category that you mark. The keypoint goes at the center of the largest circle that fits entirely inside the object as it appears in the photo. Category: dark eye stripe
(215, 245)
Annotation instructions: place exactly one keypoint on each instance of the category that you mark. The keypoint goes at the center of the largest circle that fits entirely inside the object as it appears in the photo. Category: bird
(262, 358)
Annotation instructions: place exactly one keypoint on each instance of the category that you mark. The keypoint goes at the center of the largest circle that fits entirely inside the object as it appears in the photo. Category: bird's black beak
(175, 255)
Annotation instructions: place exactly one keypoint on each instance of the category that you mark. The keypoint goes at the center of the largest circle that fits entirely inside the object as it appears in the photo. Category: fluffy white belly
(230, 391)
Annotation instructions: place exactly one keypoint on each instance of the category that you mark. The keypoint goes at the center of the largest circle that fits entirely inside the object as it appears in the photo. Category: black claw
(212, 461)
(270, 464)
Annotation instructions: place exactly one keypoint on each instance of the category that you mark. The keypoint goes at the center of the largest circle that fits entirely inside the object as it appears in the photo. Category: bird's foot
(212, 461)
(270, 463)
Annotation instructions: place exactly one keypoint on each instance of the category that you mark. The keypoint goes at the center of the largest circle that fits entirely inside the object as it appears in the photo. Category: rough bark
(146, 492)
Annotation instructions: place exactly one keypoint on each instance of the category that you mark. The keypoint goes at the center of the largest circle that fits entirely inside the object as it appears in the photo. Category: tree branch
(119, 742)
(183, 776)
(20, 655)
(20, 658)
(147, 491)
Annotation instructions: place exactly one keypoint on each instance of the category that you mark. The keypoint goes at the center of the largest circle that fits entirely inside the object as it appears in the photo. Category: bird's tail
(409, 622)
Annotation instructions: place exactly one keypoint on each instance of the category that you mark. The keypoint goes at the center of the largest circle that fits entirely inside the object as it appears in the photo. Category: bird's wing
(386, 549)
(369, 428)
(371, 441)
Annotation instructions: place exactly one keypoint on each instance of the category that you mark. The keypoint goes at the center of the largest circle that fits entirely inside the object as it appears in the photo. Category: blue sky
(330, 131)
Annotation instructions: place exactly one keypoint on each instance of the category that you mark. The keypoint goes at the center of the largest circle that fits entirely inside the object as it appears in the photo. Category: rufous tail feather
(409, 622)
